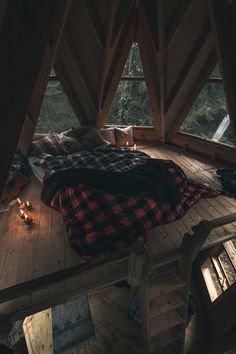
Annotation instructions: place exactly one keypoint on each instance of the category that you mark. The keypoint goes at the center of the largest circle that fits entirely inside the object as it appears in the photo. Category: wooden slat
(165, 322)
(165, 285)
(164, 304)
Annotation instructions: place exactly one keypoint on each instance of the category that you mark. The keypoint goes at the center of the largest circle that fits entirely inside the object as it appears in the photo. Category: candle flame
(27, 203)
(18, 200)
(127, 143)
(26, 216)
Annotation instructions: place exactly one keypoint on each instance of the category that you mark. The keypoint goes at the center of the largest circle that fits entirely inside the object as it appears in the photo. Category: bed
(111, 197)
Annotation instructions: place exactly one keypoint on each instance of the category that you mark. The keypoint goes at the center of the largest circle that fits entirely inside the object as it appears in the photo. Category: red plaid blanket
(99, 223)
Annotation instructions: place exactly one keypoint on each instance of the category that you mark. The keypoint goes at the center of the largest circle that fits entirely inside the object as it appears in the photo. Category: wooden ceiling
(88, 42)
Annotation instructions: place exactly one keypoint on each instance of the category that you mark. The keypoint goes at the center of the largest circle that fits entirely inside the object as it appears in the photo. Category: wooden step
(161, 341)
(165, 303)
(165, 285)
(165, 322)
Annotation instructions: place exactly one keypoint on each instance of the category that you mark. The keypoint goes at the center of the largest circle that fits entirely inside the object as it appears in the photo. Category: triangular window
(131, 103)
(56, 113)
(209, 118)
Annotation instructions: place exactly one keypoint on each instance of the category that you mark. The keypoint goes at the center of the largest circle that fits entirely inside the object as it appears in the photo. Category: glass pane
(211, 279)
(133, 66)
(216, 74)
(208, 117)
(131, 104)
(227, 267)
(56, 113)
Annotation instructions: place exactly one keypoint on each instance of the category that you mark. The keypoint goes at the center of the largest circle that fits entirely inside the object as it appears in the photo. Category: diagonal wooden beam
(149, 60)
(194, 92)
(24, 37)
(175, 23)
(80, 67)
(149, 9)
(115, 70)
(94, 20)
(106, 57)
(121, 17)
(223, 14)
(189, 62)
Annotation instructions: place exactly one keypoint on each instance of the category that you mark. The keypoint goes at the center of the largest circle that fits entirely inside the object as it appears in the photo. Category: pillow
(124, 135)
(82, 138)
(48, 144)
(108, 134)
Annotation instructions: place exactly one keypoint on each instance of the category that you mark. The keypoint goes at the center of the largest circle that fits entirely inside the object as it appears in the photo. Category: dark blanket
(99, 222)
(228, 181)
(151, 178)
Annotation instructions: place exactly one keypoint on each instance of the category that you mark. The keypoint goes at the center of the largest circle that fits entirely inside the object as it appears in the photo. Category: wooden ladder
(164, 293)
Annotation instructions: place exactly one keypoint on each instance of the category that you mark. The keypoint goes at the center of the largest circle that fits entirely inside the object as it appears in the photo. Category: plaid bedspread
(99, 223)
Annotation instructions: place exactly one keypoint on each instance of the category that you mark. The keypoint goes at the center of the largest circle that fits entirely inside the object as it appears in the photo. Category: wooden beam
(149, 61)
(106, 57)
(150, 11)
(3, 5)
(24, 36)
(120, 19)
(194, 91)
(42, 80)
(136, 263)
(188, 64)
(177, 19)
(223, 14)
(78, 64)
(210, 149)
(163, 66)
(94, 20)
(68, 87)
(116, 67)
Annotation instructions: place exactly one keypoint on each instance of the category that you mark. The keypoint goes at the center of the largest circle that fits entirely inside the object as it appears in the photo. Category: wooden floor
(29, 252)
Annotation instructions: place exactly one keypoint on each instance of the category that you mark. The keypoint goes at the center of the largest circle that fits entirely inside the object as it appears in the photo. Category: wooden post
(136, 263)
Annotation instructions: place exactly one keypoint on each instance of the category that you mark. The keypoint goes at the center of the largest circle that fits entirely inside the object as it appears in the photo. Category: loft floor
(29, 253)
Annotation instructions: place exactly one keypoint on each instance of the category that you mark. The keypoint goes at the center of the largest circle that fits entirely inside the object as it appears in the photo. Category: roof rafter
(187, 67)
(149, 60)
(120, 19)
(96, 25)
(176, 20)
(223, 21)
(193, 93)
(23, 44)
(116, 66)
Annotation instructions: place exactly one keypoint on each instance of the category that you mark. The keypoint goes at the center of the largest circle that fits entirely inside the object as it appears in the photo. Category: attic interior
(166, 281)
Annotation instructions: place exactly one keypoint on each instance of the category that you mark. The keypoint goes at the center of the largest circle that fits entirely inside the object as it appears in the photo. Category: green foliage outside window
(208, 111)
(131, 104)
(56, 113)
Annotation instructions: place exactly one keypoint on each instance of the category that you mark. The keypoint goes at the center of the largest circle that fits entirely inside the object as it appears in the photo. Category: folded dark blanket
(228, 181)
(152, 178)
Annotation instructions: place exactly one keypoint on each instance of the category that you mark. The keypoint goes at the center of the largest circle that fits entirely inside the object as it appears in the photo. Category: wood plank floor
(29, 252)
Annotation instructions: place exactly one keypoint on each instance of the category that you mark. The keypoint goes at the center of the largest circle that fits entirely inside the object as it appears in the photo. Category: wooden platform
(27, 253)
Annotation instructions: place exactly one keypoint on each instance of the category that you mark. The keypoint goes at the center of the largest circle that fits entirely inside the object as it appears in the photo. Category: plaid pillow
(49, 144)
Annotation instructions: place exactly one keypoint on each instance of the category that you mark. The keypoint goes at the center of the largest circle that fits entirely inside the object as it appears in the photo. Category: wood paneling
(24, 36)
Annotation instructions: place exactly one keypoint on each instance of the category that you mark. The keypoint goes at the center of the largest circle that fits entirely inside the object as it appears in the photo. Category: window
(219, 270)
(209, 117)
(131, 104)
(56, 113)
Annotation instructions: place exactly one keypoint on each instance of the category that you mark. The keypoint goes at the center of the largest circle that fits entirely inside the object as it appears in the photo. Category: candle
(20, 203)
(127, 143)
(28, 205)
(22, 214)
(135, 147)
(28, 219)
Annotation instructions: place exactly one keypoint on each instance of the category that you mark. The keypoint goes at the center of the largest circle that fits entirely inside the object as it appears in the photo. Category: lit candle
(28, 219)
(20, 203)
(127, 143)
(28, 205)
(22, 214)
(135, 147)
